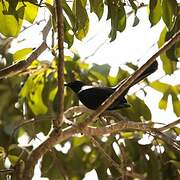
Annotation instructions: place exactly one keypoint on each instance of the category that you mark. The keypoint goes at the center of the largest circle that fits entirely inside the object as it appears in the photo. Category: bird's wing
(94, 96)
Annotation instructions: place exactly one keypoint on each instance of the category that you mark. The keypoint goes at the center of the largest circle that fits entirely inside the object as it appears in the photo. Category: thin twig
(96, 50)
(6, 171)
(169, 126)
(22, 65)
(36, 23)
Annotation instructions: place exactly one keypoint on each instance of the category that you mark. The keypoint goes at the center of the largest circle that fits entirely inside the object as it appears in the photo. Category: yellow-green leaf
(32, 92)
(22, 54)
(31, 10)
(176, 104)
(2, 152)
(11, 21)
(159, 86)
(163, 102)
(168, 65)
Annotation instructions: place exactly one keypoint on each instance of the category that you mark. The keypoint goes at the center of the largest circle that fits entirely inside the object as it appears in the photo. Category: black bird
(92, 97)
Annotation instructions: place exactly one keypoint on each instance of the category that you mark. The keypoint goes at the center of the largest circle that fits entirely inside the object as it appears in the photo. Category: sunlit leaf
(22, 54)
(168, 65)
(12, 20)
(163, 101)
(160, 86)
(176, 104)
(32, 91)
(31, 10)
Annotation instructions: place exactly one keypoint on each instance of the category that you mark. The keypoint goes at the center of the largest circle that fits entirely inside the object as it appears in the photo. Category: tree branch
(60, 28)
(169, 126)
(22, 65)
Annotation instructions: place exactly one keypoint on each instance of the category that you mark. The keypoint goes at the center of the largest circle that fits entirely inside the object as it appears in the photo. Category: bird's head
(76, 86)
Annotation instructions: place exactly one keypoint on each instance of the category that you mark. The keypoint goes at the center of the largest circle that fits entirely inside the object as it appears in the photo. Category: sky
(135, 44)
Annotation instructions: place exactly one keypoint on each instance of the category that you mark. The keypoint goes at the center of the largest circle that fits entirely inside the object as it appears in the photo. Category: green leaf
(168, 65)
(104, 69)
(32, 91)
(154, 11)
(169, 12)
(121, 17)
(177, 49)
(68, 37)
(2, 152)
(175, 163)
(22, 54)
(100, 72)
(117, 14)
(12, 20)
(159, 86)
(121, 75)
(78, 141)
(69, 13)
(31, 10)
(97, 7)
(51, 166)
(136, 21)
(137, 110)
(82, 20)
(176, 104)
(14, 159)
(171, 53)
(164, 100)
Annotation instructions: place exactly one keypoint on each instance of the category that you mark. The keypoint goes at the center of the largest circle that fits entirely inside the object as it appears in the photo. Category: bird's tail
(145, 74)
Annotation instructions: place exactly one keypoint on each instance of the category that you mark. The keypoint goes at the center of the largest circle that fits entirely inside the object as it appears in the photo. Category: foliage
(33, 93)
